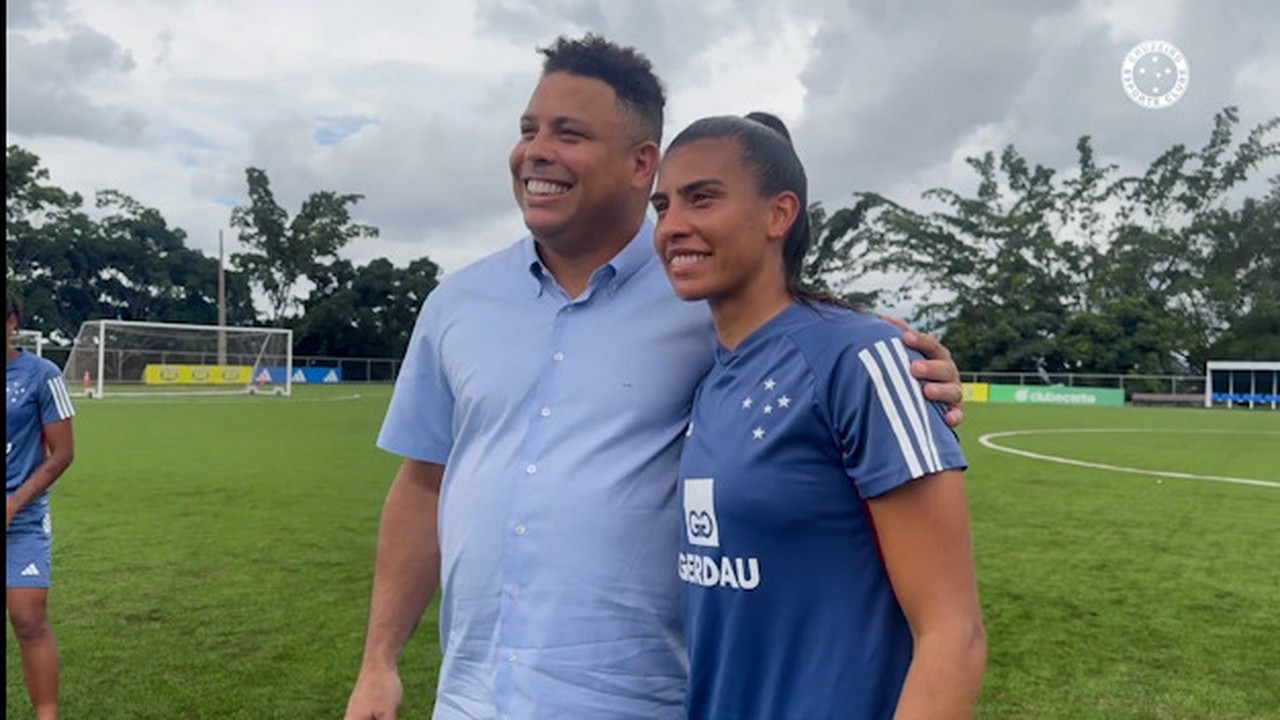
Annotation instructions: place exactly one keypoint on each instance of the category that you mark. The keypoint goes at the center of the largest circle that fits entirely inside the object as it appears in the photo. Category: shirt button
(520, 530)
(511, 657)
(530, 469)
(558, 357)
(545, 412)
(513, 593)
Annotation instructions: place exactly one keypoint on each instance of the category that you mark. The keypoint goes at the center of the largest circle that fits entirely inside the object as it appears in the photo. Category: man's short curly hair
(624, 69)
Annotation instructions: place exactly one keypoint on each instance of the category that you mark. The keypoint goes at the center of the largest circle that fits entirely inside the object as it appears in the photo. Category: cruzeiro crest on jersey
(763, 408)
(702, 529)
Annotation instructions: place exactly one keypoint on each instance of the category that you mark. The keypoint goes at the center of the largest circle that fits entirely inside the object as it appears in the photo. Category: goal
(30, 340)
(1239, 383)
(122, 357)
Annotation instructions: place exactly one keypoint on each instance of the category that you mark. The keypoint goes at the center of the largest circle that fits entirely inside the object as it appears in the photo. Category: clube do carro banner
(1055, 395)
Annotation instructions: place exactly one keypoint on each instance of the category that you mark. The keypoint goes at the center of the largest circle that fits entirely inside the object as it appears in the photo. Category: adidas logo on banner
(30, 570)
(331, 377)
(299, 376)
(263, 377)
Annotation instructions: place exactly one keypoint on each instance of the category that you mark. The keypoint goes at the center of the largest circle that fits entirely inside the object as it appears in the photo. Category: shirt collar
(612, 275)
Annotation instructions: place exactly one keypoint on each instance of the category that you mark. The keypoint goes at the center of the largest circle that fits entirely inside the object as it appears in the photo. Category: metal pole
(222, 304)
(102, 355)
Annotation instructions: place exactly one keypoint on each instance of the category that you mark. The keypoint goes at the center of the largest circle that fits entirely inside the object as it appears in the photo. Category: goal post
(126, 357)
(30, 340)
(1233, 383)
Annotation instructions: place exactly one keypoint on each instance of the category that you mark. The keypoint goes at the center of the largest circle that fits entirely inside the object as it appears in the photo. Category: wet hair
(767, 149)
(12, 308)
(624, 69)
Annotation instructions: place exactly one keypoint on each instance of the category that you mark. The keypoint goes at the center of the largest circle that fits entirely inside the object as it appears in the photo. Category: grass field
(213, 560)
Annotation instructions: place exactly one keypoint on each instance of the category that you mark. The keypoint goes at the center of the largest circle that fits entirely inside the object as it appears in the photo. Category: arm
(923, 529)
(938, 370)
(59, 452)
(405, 578)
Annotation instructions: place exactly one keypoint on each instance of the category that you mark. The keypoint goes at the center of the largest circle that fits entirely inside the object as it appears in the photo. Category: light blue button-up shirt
(559, 421)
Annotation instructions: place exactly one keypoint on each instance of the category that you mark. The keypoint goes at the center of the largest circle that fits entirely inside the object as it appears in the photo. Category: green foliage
(129, 264)
(1095, 273)
(282, 252)
(365, 312)
(836, 260)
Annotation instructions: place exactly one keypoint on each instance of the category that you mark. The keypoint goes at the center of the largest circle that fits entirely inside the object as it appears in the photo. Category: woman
(827, 560)
(38, 450)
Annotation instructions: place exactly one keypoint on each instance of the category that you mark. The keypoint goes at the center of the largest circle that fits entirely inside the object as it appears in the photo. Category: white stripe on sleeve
(917, 394)
(886, 400)
(61, 398)
(895, 372)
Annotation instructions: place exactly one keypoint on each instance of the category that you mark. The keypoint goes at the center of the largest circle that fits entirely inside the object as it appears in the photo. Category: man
(540, 411)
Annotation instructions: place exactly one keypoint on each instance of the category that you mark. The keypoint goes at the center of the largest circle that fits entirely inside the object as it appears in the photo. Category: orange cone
(87, 381)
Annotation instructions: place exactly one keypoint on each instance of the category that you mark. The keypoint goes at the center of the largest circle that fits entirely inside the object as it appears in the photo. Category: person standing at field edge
(540, 411)
(39, 447)
(827, 563)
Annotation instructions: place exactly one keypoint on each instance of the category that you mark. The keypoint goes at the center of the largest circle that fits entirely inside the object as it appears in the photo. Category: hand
(938, 370)
(377, 696)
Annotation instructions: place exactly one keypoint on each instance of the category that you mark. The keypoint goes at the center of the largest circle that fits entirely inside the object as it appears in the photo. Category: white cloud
(414, 104)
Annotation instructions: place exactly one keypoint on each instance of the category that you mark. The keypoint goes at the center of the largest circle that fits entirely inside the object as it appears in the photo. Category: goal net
(121, 357)
(30, 340)
(1239, 383)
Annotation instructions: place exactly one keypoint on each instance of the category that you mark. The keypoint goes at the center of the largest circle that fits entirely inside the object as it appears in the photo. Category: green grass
(213, 560)
(1110, 595)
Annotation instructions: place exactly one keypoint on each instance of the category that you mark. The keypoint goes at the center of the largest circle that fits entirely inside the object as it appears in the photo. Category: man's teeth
(686, 259)
(545, 187)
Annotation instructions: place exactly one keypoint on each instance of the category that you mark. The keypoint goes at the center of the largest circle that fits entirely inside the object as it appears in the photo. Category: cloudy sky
(414, 103)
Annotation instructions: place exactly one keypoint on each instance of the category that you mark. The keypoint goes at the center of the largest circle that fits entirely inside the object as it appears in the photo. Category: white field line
(988, 441)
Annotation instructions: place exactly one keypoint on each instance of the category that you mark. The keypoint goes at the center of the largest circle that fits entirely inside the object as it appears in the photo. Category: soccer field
(213, 559)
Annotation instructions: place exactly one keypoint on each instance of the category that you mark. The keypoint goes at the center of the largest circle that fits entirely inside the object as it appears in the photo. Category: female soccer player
(827, 560)
(38, 449)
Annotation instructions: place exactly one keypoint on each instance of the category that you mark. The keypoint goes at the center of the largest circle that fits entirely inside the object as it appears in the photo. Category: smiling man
(540, 412)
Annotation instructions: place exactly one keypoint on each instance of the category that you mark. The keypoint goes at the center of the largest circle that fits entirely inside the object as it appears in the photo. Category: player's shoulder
(35, 366)
(832, 329)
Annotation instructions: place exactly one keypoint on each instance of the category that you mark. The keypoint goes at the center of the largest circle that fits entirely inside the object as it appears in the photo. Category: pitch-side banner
(197, 374)
(1056, 395)
(977, 392)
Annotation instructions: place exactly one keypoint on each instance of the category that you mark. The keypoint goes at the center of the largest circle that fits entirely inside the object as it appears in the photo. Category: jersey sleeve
(53, 400)
(889, 433)
(419, 421)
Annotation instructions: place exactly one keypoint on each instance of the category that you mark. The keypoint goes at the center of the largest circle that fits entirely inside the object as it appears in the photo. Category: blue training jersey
(788, 608)
(35, 396)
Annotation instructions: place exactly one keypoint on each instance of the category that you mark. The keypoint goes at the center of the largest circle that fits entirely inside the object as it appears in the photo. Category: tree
(26, 199)
(283, 251)
(836, 260)
(146, 271)
(130, 264)
(365, 312)
(1135, 274)
(41, 221)
(998, 270)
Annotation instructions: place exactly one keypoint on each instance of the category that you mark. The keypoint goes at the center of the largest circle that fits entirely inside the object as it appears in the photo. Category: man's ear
(644, 160)
(783, 211)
